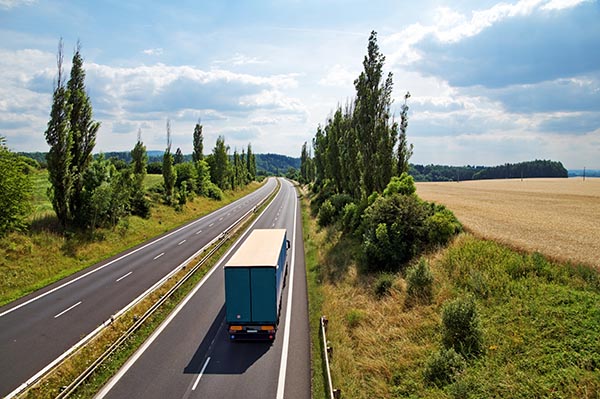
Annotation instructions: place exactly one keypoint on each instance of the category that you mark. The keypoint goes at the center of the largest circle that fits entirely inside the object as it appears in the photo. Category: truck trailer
(254, 281)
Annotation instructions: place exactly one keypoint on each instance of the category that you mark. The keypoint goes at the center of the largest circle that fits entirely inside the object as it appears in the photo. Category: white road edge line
(66, 310)
(121, 278)
(288, 313)
(201, 373)
(113, 381)
(159, 255)
(116, 260)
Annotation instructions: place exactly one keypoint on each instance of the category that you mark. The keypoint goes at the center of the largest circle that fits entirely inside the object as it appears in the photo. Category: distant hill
(537, 168)
(275, 164)
(266, 164)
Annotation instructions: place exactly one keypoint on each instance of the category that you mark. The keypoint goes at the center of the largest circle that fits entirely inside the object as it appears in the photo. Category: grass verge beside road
(540, 321)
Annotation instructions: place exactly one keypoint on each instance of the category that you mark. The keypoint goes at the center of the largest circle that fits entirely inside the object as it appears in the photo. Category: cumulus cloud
(339, 75)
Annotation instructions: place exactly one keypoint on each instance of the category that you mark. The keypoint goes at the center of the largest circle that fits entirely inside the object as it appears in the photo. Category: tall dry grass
(557, 217)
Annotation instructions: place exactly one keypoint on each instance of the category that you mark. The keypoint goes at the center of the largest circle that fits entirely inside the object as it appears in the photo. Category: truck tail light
(235, 328)
(267, 327)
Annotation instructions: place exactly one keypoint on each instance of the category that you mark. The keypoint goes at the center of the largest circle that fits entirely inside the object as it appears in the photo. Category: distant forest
(537, 168)
(266, 164)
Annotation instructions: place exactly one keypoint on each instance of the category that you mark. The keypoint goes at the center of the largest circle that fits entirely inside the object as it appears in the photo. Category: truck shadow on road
(225, 357)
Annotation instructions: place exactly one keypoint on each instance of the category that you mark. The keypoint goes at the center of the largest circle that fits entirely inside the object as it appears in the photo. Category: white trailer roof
(261, 248)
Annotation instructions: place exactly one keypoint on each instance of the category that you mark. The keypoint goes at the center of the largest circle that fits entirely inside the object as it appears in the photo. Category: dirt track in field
(557, 217)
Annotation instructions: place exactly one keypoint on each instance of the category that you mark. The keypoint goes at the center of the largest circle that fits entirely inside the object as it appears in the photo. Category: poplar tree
(60, 140)
(405, 150)
(251, 163)
(139, 204)
(220, 169)
(168, 170)
(376, 136)
(83, 131)
(198, 143)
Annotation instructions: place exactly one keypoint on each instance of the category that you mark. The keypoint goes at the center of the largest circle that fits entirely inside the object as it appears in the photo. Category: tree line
(357, 169)
(529, 169)
(89, 192)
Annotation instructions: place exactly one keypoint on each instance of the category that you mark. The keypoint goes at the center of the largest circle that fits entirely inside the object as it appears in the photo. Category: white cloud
(339, 75)
(8, 4)
(153, 51)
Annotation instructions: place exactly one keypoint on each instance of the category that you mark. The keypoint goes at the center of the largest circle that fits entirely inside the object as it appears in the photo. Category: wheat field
(556, 217)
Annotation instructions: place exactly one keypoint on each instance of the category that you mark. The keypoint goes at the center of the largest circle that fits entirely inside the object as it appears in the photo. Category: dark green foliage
(350, 217)
(198, 154)
(202, 177)
(251, 163)
(219, 164)
(383, 285)
(15, 190)
(442, 225)
(140, 205)
(404, 185)
(186, 173)
(394, 230)
(375, 131)
(178, 157)
(461, 327)
(326, 214)
(168, 171)
(419, 281)
(529, 169)
(154, 168)
(443, 367)
(405, 150)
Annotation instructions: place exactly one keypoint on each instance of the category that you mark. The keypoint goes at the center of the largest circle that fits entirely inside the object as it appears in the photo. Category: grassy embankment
(31, 260)
(540, 320)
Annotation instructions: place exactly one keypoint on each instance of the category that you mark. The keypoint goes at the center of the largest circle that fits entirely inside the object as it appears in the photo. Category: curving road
(37, 329)
(190, 356)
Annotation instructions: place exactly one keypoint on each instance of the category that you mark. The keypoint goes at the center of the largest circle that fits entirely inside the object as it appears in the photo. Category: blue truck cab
(254, 280)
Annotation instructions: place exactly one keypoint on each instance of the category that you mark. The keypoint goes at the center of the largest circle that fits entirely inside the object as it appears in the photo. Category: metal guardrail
(66, 391)
(327, 353)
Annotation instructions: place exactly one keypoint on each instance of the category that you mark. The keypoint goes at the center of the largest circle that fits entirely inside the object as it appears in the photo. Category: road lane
(31, 337)
(190, 356)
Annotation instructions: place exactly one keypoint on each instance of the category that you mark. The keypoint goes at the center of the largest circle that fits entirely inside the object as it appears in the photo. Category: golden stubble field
(557, 217)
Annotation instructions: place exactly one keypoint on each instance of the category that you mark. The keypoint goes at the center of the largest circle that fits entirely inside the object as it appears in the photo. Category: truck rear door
(237, 294)
(264, 295)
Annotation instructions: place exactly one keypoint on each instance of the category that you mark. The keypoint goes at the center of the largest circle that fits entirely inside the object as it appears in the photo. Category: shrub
(213, 191)
(420, 281)
(326, 214)
(339, 201)
(443, 366)
(383, 284)
(350, 217)
(403, 185)
(461, 329)
(393, 231)
(442, 225)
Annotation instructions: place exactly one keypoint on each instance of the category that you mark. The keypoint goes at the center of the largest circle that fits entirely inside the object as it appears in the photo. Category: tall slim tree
(376, 137)
(405, 150)
(198, 155)
(60, 140)
(83, 130)
(220, 169)
(251, 163)
(168, 170)
(178, 158)
(304, 164)
(139, 204)
(139, 157)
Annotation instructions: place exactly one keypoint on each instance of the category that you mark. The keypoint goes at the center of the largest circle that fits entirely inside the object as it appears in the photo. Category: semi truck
(254, 280)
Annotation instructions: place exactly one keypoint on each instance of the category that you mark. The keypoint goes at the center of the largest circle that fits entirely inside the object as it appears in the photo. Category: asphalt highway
(37, 329)
(190, 355)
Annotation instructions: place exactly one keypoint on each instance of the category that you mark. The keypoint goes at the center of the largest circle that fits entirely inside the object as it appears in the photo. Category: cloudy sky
(491, 82)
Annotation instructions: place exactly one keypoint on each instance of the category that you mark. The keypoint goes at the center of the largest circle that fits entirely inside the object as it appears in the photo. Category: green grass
(540, 322)
(42, 255)
(152, 180)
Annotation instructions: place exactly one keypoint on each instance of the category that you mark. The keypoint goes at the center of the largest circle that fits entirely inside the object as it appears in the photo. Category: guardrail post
(333, 393)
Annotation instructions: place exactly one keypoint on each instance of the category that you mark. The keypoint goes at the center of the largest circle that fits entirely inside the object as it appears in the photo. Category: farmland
(557, 217)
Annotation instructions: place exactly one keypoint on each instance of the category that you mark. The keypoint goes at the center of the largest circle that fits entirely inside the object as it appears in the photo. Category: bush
(443, 366)
(326, 214)
(393, 231)
(420, 282)
(383, 284)
(213, 191)
(403, 185)
(350, 217)
(461, 329)
(442, 225)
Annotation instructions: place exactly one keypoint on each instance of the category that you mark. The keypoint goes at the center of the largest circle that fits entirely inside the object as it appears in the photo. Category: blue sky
(491, 82)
